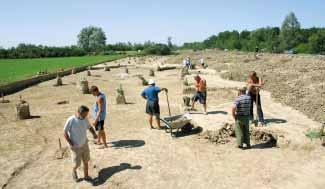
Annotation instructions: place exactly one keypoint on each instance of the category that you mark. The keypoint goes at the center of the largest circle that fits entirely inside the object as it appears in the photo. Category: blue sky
(57, 22)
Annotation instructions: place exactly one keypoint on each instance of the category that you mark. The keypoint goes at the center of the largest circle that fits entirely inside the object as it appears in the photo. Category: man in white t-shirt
(75, 132)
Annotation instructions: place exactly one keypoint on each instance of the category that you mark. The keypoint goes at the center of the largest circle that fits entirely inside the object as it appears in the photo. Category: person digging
(152, 107)
(254, 84)
(99, 115)
(200, 94)
(241, 114)
(75, 133)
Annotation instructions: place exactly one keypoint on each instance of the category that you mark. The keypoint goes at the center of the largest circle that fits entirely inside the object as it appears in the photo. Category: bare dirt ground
(142, 158)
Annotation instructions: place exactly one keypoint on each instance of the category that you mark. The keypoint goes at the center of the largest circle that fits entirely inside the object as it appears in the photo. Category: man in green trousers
(241, 113)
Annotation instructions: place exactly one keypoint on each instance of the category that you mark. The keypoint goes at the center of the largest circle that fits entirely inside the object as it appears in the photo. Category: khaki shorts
(80, 153)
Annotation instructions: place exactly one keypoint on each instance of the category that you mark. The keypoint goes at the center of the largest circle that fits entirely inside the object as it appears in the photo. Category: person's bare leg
(205, 108)
(104, 138)
(98, 138)
(150, 121)
(158, 122)
(193, 103)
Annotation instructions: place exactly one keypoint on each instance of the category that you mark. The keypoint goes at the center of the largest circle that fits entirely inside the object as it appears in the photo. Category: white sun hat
(152, 82)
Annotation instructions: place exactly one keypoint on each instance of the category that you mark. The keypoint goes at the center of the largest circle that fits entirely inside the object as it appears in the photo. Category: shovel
(170, 114)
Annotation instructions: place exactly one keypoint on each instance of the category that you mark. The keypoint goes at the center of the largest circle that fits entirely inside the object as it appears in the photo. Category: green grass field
(18, 69)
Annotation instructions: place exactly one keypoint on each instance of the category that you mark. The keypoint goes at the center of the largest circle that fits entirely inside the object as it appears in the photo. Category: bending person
(152, 107)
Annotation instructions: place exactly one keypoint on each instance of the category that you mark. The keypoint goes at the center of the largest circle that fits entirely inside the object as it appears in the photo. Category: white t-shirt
(77, 130)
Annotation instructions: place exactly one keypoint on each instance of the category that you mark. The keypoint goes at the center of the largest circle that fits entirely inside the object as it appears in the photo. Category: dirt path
(142, 158)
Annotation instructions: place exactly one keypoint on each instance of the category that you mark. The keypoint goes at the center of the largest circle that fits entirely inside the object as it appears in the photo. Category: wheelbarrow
(177, 122)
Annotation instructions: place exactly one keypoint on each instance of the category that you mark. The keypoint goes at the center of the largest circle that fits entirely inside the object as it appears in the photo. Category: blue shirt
(102, 116)
(151, 93)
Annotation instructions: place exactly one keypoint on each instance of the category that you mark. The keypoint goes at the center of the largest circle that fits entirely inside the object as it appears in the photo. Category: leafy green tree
(92, 39)
(290, 31)
(317, 42)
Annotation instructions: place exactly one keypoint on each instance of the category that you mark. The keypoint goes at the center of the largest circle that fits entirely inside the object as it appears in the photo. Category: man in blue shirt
(152, 107)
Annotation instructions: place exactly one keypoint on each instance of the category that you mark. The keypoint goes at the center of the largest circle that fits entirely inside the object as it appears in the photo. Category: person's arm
(261, 82)
(143, 94)
(251, 84)
(91, 129)
(66, 129)
(100, 110)
(93, 132)
(234, 110)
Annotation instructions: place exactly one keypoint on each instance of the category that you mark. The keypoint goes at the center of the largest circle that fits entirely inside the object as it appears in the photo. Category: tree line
(290, 37)
(91, 41)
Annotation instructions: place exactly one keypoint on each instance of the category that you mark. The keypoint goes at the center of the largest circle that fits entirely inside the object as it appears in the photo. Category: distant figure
(241, 114)
(201, 93)
(99, 115)
(75, 132)
(152, 107)
(187, 62)
(254, 85)
(256, 52)
(202, 63)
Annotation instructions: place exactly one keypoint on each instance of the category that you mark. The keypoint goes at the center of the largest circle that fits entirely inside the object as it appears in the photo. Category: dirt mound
(220, 136)
(297, 81)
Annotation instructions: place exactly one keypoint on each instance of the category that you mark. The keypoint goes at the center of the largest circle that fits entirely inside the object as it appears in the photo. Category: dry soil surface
(139, 157)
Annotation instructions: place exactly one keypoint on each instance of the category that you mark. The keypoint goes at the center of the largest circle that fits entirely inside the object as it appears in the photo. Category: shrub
(158, 49)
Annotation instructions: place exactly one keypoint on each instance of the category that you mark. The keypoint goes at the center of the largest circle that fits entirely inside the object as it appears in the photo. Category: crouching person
(241, 114)
(75, 132)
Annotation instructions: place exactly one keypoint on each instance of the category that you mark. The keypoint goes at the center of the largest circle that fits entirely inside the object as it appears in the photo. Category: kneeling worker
(241, 114)
(75, 132)
(152, 107)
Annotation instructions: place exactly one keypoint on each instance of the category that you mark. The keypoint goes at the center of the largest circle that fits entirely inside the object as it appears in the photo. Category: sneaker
(75, 176)
(205, 113)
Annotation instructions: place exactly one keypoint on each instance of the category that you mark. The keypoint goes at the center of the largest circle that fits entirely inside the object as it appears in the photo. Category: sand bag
(120, 99)
(84, 88)
(58, 81)
(151, 73)
(22, 110)
(73, 71)
(184, 72)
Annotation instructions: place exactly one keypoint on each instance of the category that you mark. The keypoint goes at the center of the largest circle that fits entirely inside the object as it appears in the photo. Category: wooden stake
(60, 145)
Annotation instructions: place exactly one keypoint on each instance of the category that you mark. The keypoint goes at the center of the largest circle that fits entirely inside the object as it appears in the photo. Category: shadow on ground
(34, 117)
(106, 173)
(212, 112)
(188, 131)
(275, 121)
(127, 143)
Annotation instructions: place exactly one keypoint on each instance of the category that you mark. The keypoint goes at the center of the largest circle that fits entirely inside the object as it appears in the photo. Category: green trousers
(242, 130)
